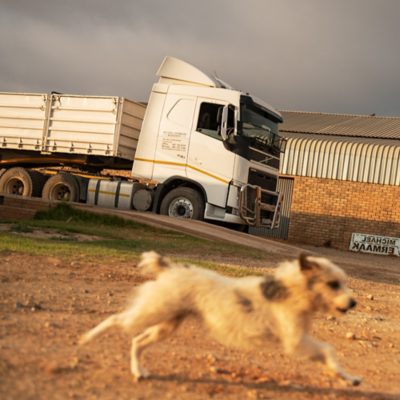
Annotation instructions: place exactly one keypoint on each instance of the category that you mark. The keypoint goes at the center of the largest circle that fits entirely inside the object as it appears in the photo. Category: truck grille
(261, 157)
(265, 181)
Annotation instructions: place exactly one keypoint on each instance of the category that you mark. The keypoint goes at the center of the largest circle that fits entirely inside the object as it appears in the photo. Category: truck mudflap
(260, 207)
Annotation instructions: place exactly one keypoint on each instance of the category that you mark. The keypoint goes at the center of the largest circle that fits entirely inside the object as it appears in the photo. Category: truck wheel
(183, 202)
(62, 187)
(22, 182)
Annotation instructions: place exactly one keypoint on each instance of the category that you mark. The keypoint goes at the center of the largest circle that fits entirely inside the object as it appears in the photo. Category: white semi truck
(198, 149)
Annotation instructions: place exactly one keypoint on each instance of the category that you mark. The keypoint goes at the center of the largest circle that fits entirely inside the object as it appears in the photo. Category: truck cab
(212, 151)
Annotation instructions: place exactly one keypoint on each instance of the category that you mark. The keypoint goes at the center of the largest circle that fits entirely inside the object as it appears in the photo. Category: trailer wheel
(62, 187)
(22, 182)
(183, 202)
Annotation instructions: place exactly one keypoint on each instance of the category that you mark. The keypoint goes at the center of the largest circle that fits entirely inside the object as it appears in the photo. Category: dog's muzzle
(352, 304)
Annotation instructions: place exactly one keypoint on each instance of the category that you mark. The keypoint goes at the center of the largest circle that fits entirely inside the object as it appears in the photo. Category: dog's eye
(335, 285)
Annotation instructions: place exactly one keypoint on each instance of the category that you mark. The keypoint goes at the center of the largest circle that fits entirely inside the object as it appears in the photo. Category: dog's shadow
(272, 386)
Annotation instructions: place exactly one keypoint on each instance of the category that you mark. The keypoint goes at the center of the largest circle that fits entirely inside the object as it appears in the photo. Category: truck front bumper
(260, 207)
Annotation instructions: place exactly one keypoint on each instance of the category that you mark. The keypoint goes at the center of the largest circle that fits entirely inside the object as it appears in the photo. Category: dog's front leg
(320, 351)
(140, 342)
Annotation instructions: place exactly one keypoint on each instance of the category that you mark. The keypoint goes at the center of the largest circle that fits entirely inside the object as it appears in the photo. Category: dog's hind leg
(107, 323)
(151, 335)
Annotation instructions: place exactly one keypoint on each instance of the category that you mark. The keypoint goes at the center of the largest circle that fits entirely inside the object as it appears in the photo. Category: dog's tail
(104, 325)
(153, 263)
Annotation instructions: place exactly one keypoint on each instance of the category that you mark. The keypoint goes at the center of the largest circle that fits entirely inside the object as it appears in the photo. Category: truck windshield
(259, 127)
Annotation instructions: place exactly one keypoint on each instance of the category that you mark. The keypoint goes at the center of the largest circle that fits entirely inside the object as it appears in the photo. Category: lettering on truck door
(173, 143)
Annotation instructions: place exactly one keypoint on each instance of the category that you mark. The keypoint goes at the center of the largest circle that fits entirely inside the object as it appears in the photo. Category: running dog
(240, 312)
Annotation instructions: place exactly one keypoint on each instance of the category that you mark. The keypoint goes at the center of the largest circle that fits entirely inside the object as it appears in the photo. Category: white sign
(383, 245)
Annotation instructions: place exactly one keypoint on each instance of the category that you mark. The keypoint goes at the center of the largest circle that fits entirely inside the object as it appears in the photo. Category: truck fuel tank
(119, 194)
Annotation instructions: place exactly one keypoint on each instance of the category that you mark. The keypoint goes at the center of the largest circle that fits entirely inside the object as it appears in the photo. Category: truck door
(209, 162)
(173, 140)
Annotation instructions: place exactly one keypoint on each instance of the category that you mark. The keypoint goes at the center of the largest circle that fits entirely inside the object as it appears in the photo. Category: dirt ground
(46, 303)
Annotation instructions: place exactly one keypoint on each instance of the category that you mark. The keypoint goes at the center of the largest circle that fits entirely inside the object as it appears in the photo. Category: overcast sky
(340, 56)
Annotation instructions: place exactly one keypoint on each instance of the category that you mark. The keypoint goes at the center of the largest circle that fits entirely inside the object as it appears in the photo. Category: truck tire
(22, 182)
(183, 202)
(61, 187)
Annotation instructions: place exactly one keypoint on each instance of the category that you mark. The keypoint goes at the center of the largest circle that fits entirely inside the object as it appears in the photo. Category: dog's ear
(306, 264)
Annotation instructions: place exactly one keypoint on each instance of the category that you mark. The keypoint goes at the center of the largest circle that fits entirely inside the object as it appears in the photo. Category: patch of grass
(102, 251)
(225, 269)
(64, 212)
(63, 238)
(118, 240)
(65, 218)
(63, 249)
(5, 253)
(21, 228)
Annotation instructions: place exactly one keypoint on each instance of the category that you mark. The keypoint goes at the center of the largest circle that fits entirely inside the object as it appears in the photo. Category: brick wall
(326, 212)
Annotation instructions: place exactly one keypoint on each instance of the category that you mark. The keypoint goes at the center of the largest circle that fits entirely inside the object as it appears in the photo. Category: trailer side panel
(70, 124)
(22, 120)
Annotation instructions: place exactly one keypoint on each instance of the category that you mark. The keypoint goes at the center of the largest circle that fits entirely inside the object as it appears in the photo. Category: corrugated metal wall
(343, 160)
(285, 186)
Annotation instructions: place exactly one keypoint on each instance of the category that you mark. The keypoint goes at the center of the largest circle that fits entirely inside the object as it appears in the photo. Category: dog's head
(325, 283)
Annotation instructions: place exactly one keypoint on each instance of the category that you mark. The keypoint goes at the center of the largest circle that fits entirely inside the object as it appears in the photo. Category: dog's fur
(237, 311)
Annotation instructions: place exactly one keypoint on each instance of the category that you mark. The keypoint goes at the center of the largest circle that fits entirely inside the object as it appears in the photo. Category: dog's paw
(350, 380)
(143, 374)
(355, 381)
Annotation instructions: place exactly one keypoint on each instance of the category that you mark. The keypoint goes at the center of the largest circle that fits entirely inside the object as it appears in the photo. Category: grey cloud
(315, 55)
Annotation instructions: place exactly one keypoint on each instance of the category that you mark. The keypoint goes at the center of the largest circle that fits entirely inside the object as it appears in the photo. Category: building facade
(340, 175)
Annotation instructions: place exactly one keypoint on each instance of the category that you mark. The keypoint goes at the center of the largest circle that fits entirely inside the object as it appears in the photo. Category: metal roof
(365, 126)
(355, 161)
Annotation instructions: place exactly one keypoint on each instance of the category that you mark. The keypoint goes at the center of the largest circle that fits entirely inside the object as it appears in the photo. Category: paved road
(201, 229)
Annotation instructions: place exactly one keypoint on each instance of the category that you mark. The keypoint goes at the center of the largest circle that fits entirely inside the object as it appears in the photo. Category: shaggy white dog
(238, 312)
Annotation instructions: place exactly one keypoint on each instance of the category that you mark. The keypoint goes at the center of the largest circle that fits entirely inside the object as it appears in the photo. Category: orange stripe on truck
(183, 165)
